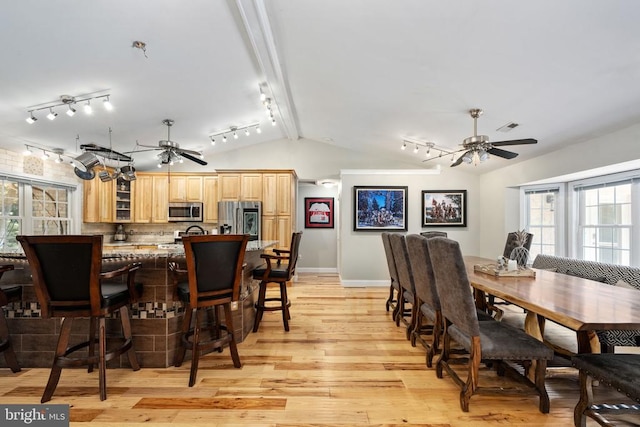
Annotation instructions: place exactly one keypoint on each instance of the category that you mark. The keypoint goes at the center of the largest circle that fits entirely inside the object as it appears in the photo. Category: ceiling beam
(258, 28)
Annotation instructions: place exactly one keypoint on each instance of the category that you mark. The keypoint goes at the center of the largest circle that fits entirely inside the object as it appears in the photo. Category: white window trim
(560, 208)
(574, 212)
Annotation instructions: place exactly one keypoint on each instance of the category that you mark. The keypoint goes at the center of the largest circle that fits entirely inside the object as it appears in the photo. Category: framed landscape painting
(380, 208)
(444, 208)
(318, 212)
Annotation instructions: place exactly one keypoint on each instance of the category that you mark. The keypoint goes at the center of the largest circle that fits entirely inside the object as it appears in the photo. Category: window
(10, 220)
(32, 208)
(543, 217)
(605, 222)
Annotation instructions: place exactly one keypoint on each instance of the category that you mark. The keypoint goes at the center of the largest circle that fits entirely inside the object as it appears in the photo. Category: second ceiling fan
(478, 148)
(171, 152)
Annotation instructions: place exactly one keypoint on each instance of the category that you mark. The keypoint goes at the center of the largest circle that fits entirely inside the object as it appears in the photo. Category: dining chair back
(405, 280)
(393, 273)
(426, 296)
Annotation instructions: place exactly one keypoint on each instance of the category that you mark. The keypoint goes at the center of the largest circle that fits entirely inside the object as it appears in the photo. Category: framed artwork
(379, 208)
(318, 212)
(444, 208)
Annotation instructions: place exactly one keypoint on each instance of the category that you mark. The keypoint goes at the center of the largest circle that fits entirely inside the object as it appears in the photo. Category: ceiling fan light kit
(477, 148)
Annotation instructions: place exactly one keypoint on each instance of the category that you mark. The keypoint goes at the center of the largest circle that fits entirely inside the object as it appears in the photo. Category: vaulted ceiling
(359, 74)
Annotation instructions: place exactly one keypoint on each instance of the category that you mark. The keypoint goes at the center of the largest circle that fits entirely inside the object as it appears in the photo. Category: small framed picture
(318, 212)
(444, 208)
(380, 208)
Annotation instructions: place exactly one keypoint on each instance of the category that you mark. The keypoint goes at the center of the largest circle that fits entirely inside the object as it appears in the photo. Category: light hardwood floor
(344, 363)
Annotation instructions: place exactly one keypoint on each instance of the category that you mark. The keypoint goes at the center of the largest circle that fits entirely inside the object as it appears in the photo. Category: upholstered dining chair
(491, 341)
(407, 286)
(429, 234)
(69, 284)
(214, 272)
(394, 287)
(279, 268)
(8, 293)
(427, 301)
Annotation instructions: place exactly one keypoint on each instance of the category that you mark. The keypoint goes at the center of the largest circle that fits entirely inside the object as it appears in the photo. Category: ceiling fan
(170, 151)
(478, 148)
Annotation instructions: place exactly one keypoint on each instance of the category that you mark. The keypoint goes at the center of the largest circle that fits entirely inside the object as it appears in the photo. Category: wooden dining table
(582, 305)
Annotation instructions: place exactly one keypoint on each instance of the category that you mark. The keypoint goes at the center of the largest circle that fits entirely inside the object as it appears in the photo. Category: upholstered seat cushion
(116, 293)
(428, 312)
(13, 293)
(500, 341)
(184, 293)
(621, 371)
(280, 271)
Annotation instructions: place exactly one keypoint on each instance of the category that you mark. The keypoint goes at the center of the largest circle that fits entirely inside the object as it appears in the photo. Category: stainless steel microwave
(185, 212)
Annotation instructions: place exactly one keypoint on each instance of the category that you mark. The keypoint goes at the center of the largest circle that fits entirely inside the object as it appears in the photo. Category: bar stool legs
(283, 305)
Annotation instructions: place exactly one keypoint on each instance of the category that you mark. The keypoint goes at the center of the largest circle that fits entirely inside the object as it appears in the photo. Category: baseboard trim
(316, 270)
(364, 283)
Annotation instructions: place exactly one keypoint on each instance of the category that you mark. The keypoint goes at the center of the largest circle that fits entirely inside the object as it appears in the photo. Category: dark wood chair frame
(6, 346)
(95, 309)
(221, 335)
(267, 275)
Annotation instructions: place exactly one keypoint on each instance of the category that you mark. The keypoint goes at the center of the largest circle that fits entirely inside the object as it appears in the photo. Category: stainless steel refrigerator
(240, 218)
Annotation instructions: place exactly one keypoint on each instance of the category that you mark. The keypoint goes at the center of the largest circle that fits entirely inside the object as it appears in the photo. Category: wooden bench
(620, 371)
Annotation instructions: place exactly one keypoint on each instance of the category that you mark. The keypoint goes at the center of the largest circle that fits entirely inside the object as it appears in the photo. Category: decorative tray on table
(494, 270)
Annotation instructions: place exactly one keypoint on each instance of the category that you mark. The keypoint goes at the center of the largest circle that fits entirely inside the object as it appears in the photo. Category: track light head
(31, 119)
(87, 107)
(213, 140)
(258, 130)
(71, 111)
(224, 138)
(107, 104)
(27, 151)
(52, 115)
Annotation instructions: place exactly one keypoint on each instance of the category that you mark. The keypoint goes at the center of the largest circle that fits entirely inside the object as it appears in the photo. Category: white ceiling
(360, 74)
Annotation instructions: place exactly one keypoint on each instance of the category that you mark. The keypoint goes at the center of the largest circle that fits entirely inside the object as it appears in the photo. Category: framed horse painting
(444, 208)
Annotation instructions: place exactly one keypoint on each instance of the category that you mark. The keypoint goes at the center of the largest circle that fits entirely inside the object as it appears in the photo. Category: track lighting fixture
(233, 131)
(27, 151)
(69, 101)
(213, 140)
(417, 145)
(415, 149)
(46, 153)
(263, 96)
(404, 146)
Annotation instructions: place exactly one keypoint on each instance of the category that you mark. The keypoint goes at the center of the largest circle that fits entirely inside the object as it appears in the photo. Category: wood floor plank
(344, 363)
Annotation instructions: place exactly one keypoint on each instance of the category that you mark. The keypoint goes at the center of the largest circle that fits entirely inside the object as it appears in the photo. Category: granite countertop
(164, 249)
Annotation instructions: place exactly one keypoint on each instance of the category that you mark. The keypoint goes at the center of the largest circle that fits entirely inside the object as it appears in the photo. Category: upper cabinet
(142, 198)
(251, 187)
(160, 202)
(98, 201)
(210, 199)
(235, 187)
(229, 187)
(185, 188)
(124, 205)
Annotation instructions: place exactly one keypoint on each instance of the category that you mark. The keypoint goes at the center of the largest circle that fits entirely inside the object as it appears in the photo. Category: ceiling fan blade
(192, 158)
(457, 162)
(192, 152)
(515, 142)
(502, 153)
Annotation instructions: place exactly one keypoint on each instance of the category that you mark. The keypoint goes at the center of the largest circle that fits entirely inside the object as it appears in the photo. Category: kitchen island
(156, 317)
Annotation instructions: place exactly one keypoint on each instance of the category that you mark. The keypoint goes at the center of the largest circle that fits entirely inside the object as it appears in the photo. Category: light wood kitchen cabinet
(160, 202)
(142, 198)
(229, 187)
(185, 188)
(251, 187)
(285, 194)
(98, 201)
(269, 194)
(210, 199)
(283, 231)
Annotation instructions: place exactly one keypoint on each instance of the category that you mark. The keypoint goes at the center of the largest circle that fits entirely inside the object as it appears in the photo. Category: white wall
(361, 255)
(319, 246)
